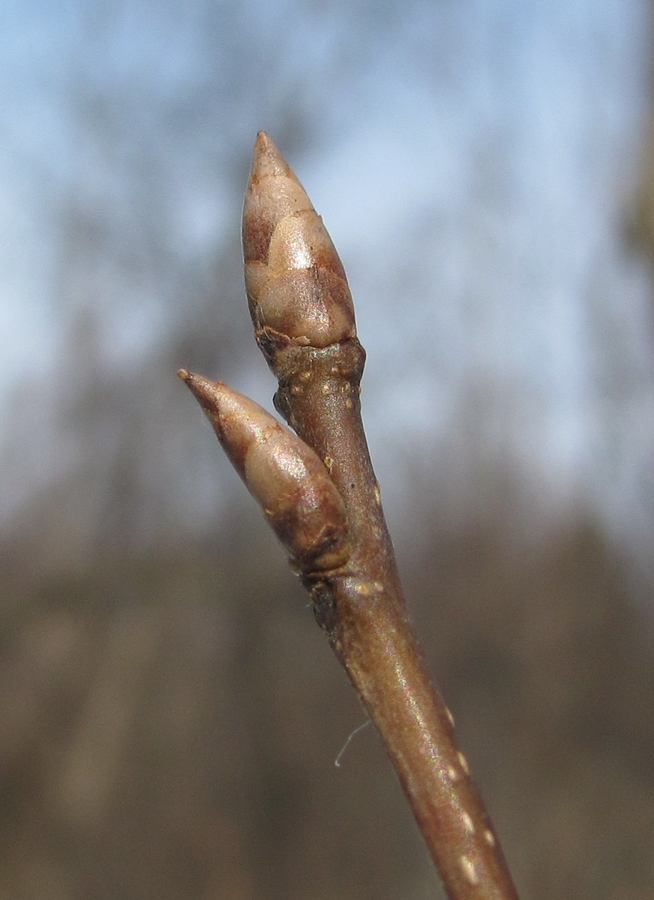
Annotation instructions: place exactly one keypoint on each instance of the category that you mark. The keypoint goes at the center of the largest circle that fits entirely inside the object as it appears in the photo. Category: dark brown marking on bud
(324, 608)
(312, 528)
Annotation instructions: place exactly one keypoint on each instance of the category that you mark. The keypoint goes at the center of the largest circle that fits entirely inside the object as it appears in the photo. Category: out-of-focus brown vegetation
(171, 719)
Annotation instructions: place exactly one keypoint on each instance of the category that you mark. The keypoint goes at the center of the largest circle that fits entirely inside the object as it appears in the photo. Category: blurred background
(170, 712)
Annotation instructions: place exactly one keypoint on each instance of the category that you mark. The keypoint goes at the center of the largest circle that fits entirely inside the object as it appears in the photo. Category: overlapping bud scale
(283, 474)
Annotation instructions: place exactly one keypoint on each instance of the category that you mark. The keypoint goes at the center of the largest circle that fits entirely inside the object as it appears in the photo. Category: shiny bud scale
(282, 473)
(295, 281)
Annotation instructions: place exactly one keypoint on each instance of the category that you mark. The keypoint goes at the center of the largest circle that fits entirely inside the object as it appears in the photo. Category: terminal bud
(295, 281)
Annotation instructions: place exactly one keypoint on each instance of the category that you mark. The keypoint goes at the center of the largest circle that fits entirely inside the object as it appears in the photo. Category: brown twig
(304, 321)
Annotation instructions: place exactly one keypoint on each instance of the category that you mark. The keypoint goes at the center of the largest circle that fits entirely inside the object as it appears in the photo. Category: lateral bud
(283, 474)
(295, 281)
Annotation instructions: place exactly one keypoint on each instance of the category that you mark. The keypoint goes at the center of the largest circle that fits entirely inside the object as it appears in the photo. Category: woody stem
(363, 612)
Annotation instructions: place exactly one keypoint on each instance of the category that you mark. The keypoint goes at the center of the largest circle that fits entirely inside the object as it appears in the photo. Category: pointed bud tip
(205, 391)
(267, 160)
(216, 398)
(192, 380)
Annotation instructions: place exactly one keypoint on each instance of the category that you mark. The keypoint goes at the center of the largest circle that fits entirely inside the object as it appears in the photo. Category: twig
(304, 321)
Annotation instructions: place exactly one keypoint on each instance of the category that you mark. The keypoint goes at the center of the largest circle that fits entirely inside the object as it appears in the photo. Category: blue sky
(474, 162)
